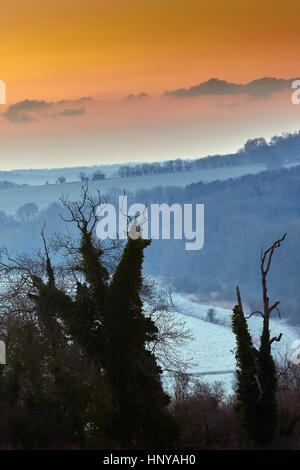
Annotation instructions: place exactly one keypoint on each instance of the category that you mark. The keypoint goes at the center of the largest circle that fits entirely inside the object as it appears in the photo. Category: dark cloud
(261, 87)
(24, 111)
(19, 112)
(265, 86)
(78, 101)
(70, 112)
(137, 97)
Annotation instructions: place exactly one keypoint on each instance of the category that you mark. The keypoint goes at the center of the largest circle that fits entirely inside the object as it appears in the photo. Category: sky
(109, 81)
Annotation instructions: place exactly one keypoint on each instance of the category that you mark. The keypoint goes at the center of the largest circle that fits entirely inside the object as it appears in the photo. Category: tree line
(280, 149)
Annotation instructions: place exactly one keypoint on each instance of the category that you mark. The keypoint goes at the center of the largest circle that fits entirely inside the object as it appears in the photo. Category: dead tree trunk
(265, 264)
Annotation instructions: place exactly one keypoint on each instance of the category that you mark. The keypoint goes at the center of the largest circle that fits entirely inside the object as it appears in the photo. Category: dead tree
(257, 378)
(265, 264)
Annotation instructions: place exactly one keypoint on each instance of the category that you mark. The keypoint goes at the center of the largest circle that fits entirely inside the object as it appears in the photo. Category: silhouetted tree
(61, 180)
(256, 374)
(98, 175)
(141, 418)
(107, 320)
(27, 211)
(83, 177)
(246, 357)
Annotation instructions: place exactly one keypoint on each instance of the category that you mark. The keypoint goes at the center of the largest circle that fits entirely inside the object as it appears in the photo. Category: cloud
(78, 101)
(259, 88)
(137, 97)
(18, 112)
(70, 112)
(28, 110)
(227, 105)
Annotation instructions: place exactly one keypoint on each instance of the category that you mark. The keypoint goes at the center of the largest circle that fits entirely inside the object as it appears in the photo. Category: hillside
(12, 199)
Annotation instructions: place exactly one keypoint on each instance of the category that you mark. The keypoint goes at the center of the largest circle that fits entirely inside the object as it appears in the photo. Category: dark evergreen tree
(141, 417)
(246, 357)
(256, 382)
(267, 405)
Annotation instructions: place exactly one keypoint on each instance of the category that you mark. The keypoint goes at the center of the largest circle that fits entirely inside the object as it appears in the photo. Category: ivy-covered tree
(246, 357)
(141, 416)
(256, 374)
(106, 318)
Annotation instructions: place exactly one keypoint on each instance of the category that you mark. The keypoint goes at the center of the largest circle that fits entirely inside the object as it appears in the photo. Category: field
(213, 344)
(12, 199)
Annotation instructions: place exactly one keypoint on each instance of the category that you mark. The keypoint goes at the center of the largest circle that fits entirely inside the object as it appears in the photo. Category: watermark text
(159, 221)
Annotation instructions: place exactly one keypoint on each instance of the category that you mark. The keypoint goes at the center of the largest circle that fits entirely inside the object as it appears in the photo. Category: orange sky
(67, 49)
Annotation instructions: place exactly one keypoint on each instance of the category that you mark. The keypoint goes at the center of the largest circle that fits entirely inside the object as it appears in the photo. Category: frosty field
(213, 344)
(43, 195)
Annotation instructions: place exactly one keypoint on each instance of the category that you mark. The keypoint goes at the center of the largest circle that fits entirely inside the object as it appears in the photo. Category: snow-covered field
(11, 199)
(213, 344)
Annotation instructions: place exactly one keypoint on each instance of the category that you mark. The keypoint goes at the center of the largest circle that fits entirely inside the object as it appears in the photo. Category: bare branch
(253, 313)
(268, 254)
(274, 306)
(266, 259)
(276, 338)
(84, 211)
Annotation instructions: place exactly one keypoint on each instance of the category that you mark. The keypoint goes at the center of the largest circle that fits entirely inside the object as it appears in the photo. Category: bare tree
(173, 333)
(266, 260)
(265, 264)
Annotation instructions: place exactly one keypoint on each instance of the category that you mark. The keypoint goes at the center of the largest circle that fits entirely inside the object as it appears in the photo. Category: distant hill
(279, 151)
(11, 199)
(39, 177)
